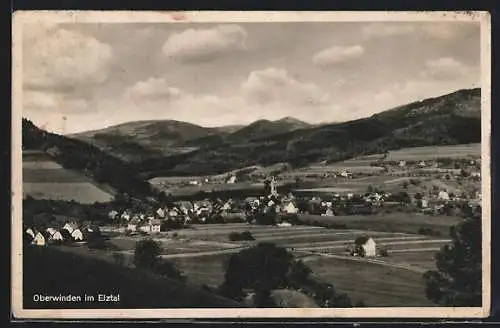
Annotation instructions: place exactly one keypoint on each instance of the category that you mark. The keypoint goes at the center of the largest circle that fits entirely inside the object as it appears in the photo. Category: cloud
(269, 93)
(61, 60)
(434, 30)
(276, 85)
(445, 68)
(378, 30)
(205, 44)
(44, 101)
(336, 55)
(152, 89)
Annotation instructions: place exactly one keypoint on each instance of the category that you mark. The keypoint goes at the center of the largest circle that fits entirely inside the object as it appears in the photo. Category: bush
(428, 232)
(171, 225)
(237, 236)
(168, 269)
(384, 252)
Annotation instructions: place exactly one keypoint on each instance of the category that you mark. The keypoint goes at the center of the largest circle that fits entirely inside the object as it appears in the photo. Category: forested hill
(86, 158)
(450, 119)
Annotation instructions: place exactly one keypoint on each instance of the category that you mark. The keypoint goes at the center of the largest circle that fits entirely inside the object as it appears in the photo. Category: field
(375, 285)
(202, 252)
(45, 179)
(390, 222)
(434, 152)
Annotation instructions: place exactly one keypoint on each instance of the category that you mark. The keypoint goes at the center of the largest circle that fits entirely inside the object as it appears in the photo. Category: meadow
(435, 152)
(389, 222)
(45, 179)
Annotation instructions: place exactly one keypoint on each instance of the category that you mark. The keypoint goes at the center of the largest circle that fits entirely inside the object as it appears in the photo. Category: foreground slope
(48, 271)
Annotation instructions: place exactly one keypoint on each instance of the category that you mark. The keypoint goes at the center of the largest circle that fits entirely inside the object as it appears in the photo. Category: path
(366, 260)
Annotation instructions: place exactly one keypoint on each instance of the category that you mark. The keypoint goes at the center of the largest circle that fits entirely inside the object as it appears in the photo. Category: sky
(86, 76)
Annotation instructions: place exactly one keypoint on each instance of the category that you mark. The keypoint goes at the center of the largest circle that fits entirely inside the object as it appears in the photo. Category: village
(280, 210)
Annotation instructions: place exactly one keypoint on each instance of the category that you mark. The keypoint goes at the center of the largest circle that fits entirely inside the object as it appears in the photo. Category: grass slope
(45, 179)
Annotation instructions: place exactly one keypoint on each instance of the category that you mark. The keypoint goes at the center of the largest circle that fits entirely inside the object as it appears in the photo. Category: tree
(406, 184)
(147, 253)
(261, 268)
(166, 268)
(458, 278)
(299, 273)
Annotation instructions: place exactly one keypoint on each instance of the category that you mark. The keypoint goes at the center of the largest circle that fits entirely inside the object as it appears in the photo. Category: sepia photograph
(251, 164)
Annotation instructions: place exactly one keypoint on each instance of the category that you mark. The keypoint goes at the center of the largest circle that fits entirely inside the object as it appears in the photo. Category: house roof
(155, 222)
(361, 240)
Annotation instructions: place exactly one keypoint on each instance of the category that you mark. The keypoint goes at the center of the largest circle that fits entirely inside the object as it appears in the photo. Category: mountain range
(169, 147)
(135, 141)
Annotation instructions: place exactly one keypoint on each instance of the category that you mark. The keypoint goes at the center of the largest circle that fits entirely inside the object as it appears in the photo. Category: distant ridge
(179, 148)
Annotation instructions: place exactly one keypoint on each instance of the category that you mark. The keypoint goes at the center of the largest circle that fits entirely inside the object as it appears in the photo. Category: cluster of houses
(70, 232)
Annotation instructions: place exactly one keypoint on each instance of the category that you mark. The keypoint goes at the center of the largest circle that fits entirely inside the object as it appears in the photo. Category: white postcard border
(54, 17)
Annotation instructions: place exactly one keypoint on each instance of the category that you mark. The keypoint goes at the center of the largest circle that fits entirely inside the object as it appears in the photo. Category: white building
(56, 236)
(290, 208)
(77, 235)
(368, 245)
(232, 179)
(155, 226)
(30, 232)
(39, 239)
(160, 212)
(113, 214)
(443, 195)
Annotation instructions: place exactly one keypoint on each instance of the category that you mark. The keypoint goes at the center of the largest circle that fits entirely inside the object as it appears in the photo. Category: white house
(30, 232)
(350, 195)
(51, 230)
(132, 225)
(56, 236)
(160, 212)
(77, 235)
(368, 245)
(443, 195)
(270, 203)
(125, 216)
(113, 214)
(402, 163)
(345, 174)
(39, 239)
(421, 164)
(155, 225)
(232, 179)
(173, 212)
(227, 206)
(290, 208)
(475, 174)
(194, 182)
(145, 227)
(70, 226)
(328, 212)
(424, 203)
(284, 224)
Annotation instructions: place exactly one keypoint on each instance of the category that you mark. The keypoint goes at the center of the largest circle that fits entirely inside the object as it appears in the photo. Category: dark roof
(361, 240)
(155, 222)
